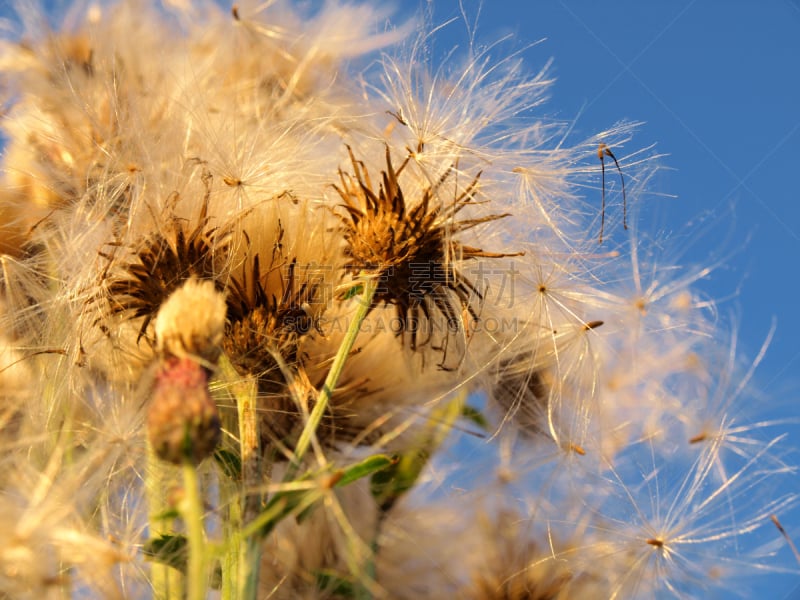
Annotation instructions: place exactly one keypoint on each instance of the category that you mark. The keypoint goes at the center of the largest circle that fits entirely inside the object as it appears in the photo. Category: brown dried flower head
(409, 247)
(513, 565)
(270, 312)
(266, 319)
(274, 333)
(161, 263)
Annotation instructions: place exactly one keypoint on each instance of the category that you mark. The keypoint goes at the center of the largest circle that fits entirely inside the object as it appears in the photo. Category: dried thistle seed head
(269, 313)
(159, 264)
(513, 566)
(524, 397)
(182, 420)
(192, 322)
(543, 380)
(409, 247)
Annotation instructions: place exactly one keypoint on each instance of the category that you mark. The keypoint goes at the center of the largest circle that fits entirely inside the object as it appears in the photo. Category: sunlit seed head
(269, 312)
(408, 245)
(277, 299)
(110, 127)
(524, 395)
(148, 273)
(191, 322)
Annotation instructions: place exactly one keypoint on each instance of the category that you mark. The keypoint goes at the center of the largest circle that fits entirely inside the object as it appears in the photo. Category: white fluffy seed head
(167, 197)
(192, 321)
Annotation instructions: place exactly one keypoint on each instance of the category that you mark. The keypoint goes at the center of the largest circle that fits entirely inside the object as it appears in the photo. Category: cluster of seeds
(344, 291)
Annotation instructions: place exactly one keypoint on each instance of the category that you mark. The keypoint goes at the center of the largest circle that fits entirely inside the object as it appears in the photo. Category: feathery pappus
(290, 309)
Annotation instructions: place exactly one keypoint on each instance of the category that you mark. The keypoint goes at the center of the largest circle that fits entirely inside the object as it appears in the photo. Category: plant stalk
(323, 399)
(192, 511)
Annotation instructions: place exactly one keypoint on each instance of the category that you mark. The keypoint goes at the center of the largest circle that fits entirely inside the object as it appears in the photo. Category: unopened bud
(183, 421)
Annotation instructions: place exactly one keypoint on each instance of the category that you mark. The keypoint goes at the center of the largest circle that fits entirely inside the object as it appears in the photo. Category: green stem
(249, 436)
(192, 510)
(165, 581)
(323, 399)
(362, 591)
(230, 497)
(245, 392)
(231, 529)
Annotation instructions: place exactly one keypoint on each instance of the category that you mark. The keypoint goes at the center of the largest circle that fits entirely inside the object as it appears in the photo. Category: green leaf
(229, 462)
(348, 475)
(278, 508)
(168, 514)
(354, 291)
(332, 583)
(366, 467)
(301, 503)
(285, 503)
(389, 484)
(475, 416)
(169, 550)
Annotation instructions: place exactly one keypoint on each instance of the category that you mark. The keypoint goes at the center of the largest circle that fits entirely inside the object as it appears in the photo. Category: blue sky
(717, 85)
